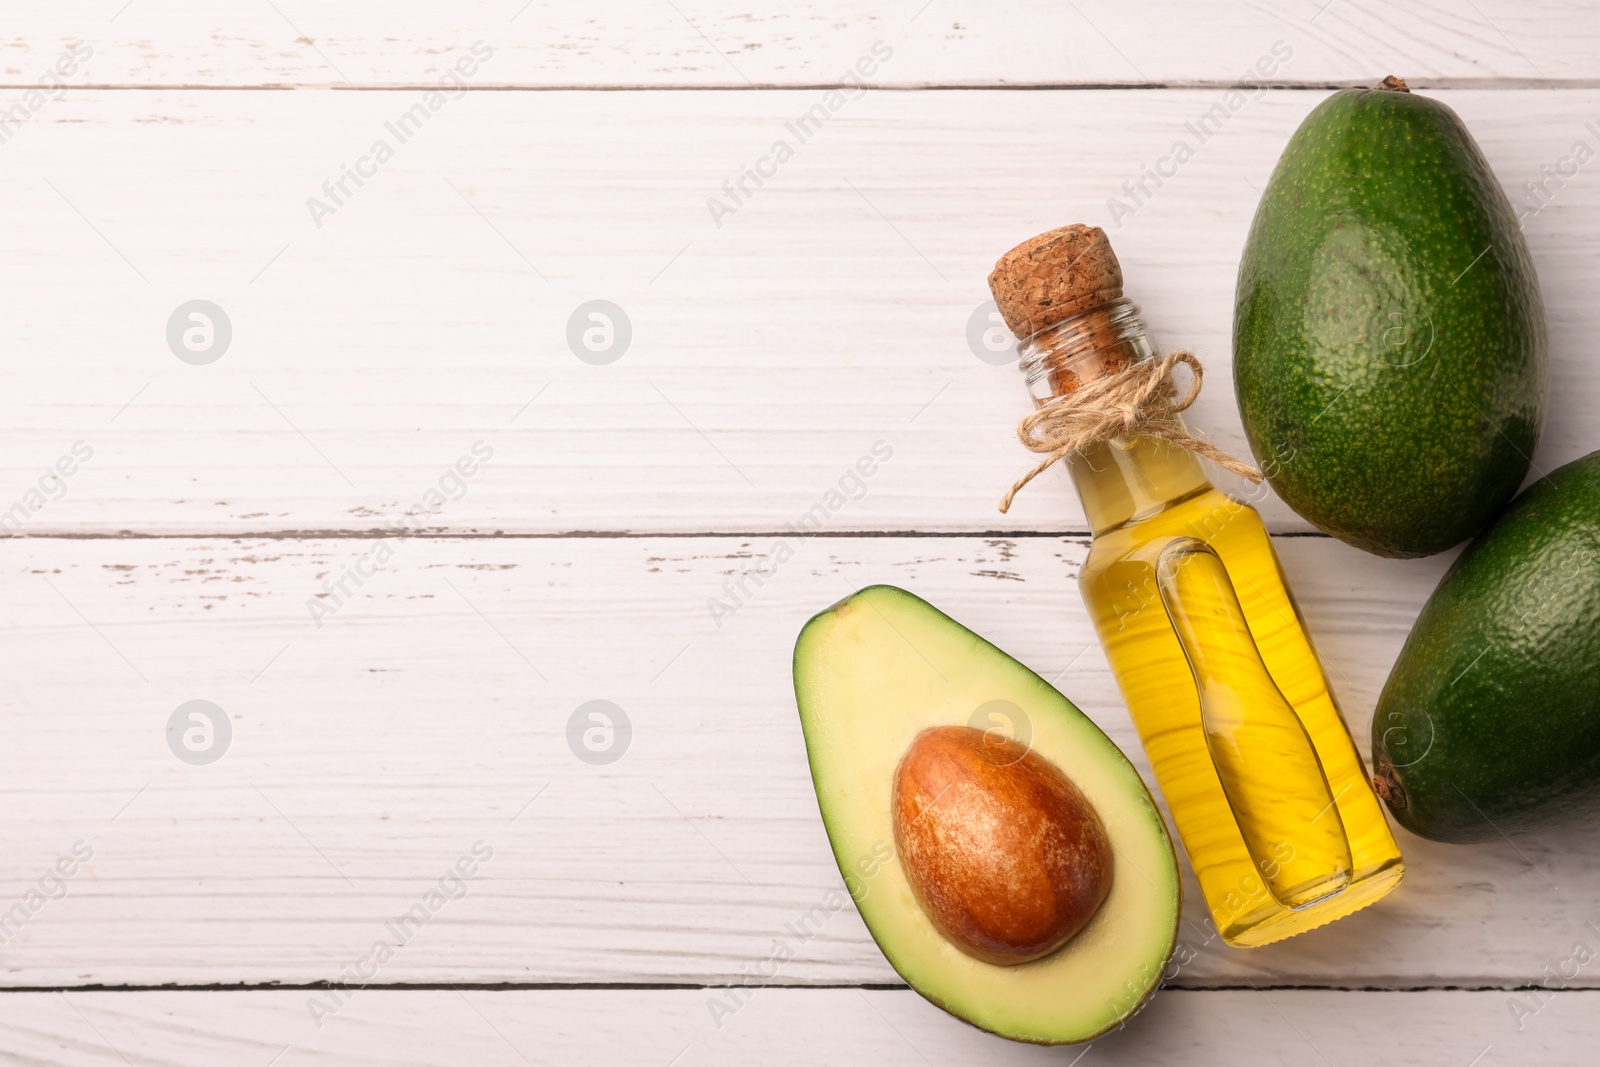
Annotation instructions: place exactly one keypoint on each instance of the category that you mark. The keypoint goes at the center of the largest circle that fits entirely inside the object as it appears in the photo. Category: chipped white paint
(714, 43)
(369, 753)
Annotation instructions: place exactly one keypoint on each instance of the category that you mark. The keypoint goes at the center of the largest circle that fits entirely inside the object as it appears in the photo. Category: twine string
(1139, 401)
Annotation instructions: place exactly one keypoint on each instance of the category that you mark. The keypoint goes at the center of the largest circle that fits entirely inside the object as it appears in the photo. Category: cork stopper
(1055, 276)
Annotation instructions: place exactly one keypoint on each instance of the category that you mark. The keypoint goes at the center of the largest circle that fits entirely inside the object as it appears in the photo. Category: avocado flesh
(1489, 722)
(1389, 337)
(874, 671)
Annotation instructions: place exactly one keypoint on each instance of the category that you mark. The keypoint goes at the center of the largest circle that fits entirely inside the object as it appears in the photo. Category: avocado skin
(1490, 721)
(1389, 338)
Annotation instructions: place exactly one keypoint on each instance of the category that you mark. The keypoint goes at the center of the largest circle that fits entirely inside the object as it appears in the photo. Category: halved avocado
(873, 672)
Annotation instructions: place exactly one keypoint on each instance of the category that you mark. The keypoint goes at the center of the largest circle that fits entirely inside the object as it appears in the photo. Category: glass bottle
(1258, 770)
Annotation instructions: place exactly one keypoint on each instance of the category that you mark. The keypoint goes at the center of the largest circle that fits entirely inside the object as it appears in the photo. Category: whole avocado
(1389, 339)
(1490, 721)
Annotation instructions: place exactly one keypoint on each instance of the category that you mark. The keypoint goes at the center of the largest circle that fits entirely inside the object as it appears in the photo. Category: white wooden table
(228, 911)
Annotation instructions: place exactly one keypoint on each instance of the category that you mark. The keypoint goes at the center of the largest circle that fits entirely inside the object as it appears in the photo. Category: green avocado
(874, 672)
(1489, 723)
(1389, 338)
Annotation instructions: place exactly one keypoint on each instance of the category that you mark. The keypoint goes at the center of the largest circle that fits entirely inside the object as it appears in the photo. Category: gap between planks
(672, 987)
(1416, 84)
(574, 535)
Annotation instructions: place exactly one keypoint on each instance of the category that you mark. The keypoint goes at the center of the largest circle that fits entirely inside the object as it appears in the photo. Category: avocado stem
(1388, 789)
(1392, 84)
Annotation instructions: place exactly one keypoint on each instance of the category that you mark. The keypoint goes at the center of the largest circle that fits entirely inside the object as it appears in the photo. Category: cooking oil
(1257, 768)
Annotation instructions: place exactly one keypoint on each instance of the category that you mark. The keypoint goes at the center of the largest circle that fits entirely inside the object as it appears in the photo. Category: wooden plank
(431, 711)
(721, 44)
(888, 1027)
(770, 353)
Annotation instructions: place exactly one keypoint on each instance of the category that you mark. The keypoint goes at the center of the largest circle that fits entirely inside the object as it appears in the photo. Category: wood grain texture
(830, 311)
(443, 1028)
(728, 45)
(431, 711)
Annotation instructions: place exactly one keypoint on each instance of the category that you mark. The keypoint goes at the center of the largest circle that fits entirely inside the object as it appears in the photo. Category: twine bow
(1140, 400)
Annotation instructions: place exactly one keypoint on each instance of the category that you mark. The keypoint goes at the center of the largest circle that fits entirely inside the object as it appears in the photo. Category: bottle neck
(1074, 352)
(1127, 478)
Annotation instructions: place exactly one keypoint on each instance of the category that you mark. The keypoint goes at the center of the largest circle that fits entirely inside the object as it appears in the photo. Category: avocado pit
(1005, 854)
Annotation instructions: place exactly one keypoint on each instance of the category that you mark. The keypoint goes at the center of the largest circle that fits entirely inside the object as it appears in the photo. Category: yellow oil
(1258, 770)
